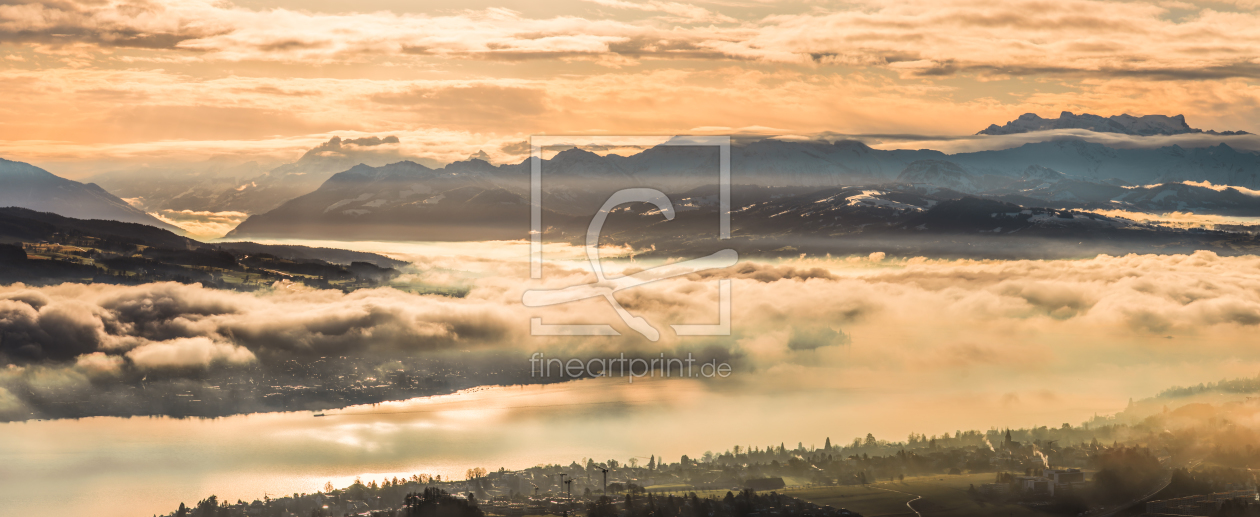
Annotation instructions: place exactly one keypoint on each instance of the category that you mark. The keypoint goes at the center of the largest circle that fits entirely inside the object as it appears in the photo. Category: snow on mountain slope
(1220, 164)
(939, 173)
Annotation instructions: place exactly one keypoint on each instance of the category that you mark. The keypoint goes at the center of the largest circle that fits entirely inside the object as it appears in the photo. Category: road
(1164, 482)
(916, 498)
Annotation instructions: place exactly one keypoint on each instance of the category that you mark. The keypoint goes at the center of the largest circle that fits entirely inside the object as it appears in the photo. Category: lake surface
(143, 466)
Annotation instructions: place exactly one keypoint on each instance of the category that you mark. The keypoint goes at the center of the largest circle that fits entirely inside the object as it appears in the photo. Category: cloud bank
(919, 38)
(202, 224)
(1144, 321)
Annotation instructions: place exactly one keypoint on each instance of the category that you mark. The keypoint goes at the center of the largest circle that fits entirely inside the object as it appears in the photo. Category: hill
(44, 248)
(27, 186)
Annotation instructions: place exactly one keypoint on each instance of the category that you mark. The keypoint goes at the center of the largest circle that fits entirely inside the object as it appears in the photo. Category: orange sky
(89, 84)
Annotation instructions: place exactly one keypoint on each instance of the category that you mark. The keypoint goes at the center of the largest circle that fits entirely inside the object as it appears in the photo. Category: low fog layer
(1021, 331)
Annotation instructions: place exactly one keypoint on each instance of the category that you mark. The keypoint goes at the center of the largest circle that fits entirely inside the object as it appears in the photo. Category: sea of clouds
(1132, 322)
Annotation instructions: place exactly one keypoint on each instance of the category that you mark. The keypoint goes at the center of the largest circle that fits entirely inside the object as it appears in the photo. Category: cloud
(99, 363)
(799, 325)
(456, 104)
(516, 148)
(682, 12)
(1180, 219)
(201, 224)
(188, 353)
(767, 272)
(80, 130)
(106, 84)
(916, 38)
(1221, 188)
(371, 141)
(289, 322)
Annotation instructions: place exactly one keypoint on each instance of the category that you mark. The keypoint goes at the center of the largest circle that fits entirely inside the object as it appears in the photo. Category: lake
(143, 466)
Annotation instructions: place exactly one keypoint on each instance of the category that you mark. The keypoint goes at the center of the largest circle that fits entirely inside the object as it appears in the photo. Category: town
(1097, 469)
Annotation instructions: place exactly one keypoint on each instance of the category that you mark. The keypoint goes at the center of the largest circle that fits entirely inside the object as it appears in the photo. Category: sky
(91, 85)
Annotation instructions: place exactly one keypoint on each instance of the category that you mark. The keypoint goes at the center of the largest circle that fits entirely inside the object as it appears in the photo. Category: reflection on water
(488, 250)
(142, 466)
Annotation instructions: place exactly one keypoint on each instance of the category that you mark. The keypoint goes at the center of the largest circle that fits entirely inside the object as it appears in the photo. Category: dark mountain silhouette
(27, 186)
(41, 247)
(1146, 125)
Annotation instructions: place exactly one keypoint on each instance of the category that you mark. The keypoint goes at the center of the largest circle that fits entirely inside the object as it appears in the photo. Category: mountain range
(1146, 125)
(250, 187)
(471, 200)
(899, 220)
(476, 200)
(928, 212)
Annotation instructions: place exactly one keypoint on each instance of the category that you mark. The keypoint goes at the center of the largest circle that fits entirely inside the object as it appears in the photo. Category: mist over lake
(993, 375)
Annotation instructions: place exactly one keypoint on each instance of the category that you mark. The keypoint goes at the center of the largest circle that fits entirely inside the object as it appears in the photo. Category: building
(1034, 485)
(995, 490)
(1050, 481)
(1065, 476)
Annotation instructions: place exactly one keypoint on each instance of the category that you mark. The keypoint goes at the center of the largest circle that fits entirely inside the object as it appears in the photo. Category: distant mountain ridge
(1046, 187)
(24, 185)
(398, 200)
(1146, 125)
(247, 187)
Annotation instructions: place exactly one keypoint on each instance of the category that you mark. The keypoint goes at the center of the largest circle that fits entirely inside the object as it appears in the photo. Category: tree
(602, 507)
(328, 487)
(652, 463)
(208, 507)
(434, 502)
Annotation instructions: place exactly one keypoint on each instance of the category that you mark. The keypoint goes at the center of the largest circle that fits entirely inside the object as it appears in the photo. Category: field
(944, 496)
